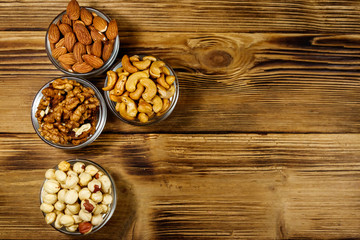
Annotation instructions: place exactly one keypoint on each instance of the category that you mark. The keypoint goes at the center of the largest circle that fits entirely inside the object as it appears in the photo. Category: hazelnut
(73, 208)
(85, 227)
(94, 185)
(51, 186)
(60, 176)
(85, 216)
(64, 166)
(97, 220)
(59, 206)
(107, 199)
(61, 195)
(50, 198)
(98, 210)
(77, 219)
(84, 194)
(72, 228)
(57, 223)
(99, 174)
(91, 169)
(71, 173)
(105, 183)
(71, 181)
(79, 167)
(76, 188)
(105, 208)
(84, 178)
(66, 220)
(46, 208)
(50, 218)
(97, 197)
(50, 174)
(88, 205)
(67, 212)
(71, 196)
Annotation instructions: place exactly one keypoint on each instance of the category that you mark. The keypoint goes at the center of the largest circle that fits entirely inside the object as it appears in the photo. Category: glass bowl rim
(112, 205)
(102, 115)
(156, 119)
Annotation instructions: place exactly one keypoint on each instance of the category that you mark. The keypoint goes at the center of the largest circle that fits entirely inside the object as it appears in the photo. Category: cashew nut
(162, 82)
(155, 68)
(142, 65)
(121, 108)
(143, 117)
(115, 98)
(137, 94)
(147, 71)
(165, 107)
(151, 58)
(112, 78)
(121, 70)
(133, 80)
(120, 85)
(166, 93)
(157, 104)
(166, 71)
(150, 89)
(131, 108)
(144, 107)
(170, 79)
(134, 58)
(127, 64)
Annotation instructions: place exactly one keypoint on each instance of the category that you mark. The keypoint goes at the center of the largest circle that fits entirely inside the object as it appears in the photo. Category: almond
(85, 227)
(73, 10)
(107, 50)
(79, 50)
(88, 49)
(93, 61)
(65, 19)
(65, 28)
(57, 52)
(60, 43)
(66, 67)
(96, 48)
(82, 67)
(82, 34)
(100, 24)
(78, 21)
(96, 35)
(70, 40)
(67, 58)
(86, 16)
(112, 30)
(52, 46)
(53, 34)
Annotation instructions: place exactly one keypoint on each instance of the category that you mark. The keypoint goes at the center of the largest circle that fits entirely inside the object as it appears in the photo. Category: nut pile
(68, 112)
(76, 197)
(82, 41)
(141, 88)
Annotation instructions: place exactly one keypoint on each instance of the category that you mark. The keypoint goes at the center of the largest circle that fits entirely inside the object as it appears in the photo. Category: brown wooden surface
(264, 141)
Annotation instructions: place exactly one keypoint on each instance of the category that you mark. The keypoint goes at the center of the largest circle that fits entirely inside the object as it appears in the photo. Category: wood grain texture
(200, 16)
(253, 82)
(278, 186)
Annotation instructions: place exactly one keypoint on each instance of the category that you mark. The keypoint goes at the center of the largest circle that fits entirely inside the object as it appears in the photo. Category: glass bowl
(156, 118)
(106, 216)
(94, 72)
(101, 118)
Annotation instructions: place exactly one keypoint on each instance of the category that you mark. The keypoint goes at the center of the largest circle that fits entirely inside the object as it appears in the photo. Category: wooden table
(263, 143)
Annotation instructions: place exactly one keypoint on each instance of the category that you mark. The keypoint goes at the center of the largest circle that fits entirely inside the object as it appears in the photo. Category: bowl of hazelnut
(141, 90)
(82, 41)
(68, 113)
(77, 197)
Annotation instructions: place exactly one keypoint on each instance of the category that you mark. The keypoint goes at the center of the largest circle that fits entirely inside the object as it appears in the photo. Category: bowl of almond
(82, 41)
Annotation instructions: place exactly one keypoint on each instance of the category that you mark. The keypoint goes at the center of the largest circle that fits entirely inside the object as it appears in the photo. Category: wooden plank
(200, 16)
(205, 186)
(253, 82)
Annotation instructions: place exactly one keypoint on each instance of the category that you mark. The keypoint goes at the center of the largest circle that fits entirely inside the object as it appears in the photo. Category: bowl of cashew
(141, 90)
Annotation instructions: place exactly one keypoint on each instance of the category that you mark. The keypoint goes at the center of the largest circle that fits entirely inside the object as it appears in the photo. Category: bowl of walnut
(77, 197)
(68, 113)
(82, 41)
(141, 90)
